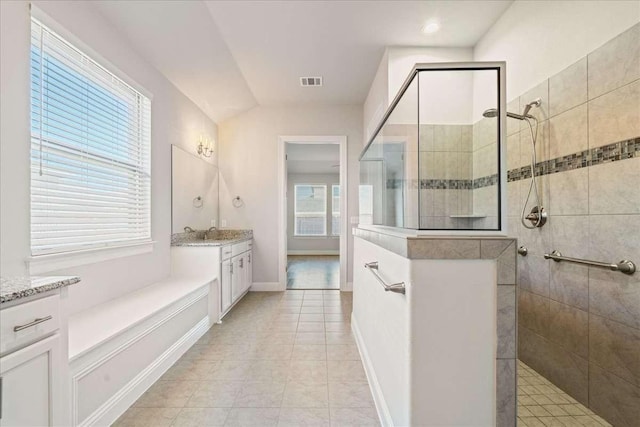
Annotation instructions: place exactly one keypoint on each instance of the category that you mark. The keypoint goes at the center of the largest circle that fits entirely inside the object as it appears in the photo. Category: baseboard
(113, 408)
(314, 252)
(378, 398)
(266, 287)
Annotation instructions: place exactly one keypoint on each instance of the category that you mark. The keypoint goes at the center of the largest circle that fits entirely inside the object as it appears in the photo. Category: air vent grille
(310, 81)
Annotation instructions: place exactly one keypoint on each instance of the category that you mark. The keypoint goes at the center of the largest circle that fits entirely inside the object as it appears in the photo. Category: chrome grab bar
(625, 266)
(396, 287)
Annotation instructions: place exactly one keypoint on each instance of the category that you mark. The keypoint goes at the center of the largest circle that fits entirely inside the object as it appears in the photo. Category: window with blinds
(90, 152)
(310, 210)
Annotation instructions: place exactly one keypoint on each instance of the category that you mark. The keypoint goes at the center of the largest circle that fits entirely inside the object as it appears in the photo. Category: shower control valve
(538, 217)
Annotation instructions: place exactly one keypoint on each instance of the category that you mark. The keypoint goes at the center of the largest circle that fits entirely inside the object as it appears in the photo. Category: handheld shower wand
(535, 103)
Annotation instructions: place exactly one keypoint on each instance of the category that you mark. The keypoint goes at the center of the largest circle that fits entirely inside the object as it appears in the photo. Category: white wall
(298, 243)
(377, 100)
(539, 39)
(248, 168)
(394, 68)
(175, 119)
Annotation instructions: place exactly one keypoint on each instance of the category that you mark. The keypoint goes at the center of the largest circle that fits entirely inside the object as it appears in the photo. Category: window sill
(41, 264)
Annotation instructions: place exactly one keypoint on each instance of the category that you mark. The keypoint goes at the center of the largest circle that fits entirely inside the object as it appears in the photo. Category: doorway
(313, 223)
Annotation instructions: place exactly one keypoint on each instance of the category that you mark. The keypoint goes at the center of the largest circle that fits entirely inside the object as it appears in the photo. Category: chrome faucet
(211, 229)
(188, 229)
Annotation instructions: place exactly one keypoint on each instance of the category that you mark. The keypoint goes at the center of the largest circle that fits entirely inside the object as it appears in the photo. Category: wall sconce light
(205, 147)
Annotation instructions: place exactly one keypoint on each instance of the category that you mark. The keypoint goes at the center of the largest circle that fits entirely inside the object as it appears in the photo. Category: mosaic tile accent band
(621, 150)
(617, 151)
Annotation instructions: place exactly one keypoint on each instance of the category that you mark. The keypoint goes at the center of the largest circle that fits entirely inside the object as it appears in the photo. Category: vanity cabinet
(235, 273)
(30, 374)
(27, 379)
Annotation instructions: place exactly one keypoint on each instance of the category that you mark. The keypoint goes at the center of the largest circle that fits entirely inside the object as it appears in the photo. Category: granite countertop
(13, 288)
(210, 238)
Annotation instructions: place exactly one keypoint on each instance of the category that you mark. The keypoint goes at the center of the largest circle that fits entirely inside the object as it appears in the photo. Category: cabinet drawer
(226, 252)
(249, 245)
(239, 248)
(33, 320)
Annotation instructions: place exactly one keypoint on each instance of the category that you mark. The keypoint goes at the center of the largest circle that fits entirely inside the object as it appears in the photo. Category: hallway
(277, 359)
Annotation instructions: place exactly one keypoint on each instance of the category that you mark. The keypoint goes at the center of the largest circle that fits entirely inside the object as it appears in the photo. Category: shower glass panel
(434, 162)
(388, 169)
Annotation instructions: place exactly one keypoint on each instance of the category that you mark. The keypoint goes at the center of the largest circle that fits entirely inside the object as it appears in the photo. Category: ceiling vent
(310, 81)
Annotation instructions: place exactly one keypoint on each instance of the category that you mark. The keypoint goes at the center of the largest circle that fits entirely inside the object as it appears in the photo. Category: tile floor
(313, 272)
(278, 359)
(540, 403)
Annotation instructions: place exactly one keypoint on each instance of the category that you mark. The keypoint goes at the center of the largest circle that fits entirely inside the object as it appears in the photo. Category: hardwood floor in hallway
(313, 272)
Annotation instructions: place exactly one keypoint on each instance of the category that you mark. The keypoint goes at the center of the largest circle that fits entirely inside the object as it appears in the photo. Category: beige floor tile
(147, 417)
(310, 326)
(312, 310)
(339, 337)
(312, 317)
(305, 395)
(307, 417)
(354, 417)
(205, 417)
(167, 394)
(310, 338)
(268, 370)
(263, 417)
(342, 352)
(350, 395)
(260, 395)
(309, 352)
(312, 371)
(348, 371)
(215, 394)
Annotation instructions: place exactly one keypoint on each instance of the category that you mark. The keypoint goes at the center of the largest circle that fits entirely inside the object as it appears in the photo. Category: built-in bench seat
(121, 347)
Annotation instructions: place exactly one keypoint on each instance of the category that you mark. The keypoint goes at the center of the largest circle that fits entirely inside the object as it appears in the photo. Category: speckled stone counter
(14, 288)
(210, 238)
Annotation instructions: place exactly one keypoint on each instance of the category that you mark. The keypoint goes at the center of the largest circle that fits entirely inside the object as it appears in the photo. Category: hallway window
(310, 210)
(90, 152)
(335, 210)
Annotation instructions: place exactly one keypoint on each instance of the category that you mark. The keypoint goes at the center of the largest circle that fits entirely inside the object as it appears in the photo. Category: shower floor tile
(540, 403)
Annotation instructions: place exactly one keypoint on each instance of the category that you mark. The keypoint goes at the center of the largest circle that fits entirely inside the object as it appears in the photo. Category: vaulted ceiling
(228, 56)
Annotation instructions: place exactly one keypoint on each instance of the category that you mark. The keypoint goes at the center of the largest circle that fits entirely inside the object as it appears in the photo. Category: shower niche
(435, 162)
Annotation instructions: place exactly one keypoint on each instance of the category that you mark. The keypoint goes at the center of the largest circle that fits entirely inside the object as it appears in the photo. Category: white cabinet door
(226, 269)
(29, 384)
(237, 280)
(249, 270)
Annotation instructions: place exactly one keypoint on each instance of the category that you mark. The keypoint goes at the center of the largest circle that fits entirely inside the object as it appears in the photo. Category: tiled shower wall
(579, 326)
(446, 173)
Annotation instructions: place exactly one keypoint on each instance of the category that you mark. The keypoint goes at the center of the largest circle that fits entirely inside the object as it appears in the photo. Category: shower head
(492, 112)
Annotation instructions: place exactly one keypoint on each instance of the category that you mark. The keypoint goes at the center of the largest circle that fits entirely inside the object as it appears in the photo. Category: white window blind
(90, 152)
(335, 210)
(310, 210)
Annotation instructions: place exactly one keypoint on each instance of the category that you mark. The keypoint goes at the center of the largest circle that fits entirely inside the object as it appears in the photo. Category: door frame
(283, 140)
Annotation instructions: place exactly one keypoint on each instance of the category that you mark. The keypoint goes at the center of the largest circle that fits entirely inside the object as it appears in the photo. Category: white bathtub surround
(118, 349)
(449, 342)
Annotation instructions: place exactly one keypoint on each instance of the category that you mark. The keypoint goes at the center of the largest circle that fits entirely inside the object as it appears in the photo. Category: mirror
(194, 191)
